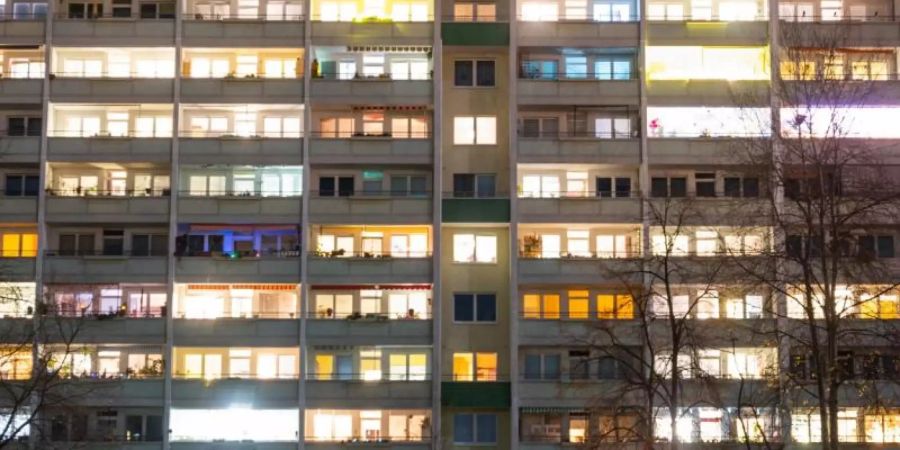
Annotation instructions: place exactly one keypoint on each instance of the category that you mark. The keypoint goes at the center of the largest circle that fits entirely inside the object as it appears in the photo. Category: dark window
(623, 187)
(463, 185)
(732, 187)
(15, 126)
(345, 186)
(792, 188)
(485, 186)
(705, 184)
(474, 307)
(76, 244)
(121, 8)
(485, 72)
(148, 10)
(486, 428)
(134, 428)
(113, 242)
(798, 367)
(659, 187)
(678, 187)
(604, 187)
(140, 245)
(607, 368)
(22, 185)
(216, 243)
(195, 244)
(532, 367)
(794, 246)
(154, 429)
(462, 73)
(579, 365)
(885, 246)
(751, 187)
(326, 187)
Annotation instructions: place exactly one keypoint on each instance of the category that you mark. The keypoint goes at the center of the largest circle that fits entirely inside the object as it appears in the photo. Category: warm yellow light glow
(707, 63)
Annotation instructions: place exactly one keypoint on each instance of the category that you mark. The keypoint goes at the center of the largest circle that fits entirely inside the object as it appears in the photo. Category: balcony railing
(586, 255)
(839, 18)
(101, 253)
(197, 16)
(96, 312)
(623, 18)
(371, 377)
(111, 75)
(380, 439)
(106, 134)
(188, 375)
(361, 135)
(240, 254)
(589, 194)
(384, 76)
(708, 18)
(371, 195)
(528, 74)
(231, 193)
(586, 135)
(241, 135)
(106, 193)
(371, 256)
(243, 316)
(128, 15)
(370, 317)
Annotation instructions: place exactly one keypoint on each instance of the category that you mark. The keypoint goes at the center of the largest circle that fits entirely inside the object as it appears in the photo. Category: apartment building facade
(394, 224)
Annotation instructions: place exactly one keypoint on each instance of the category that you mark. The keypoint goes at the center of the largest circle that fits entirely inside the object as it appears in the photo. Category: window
(408, 185)
(409, 245)
(539, 11)
(19, 245)
(475, 367)
(540, 306)
(705, 184)
(579, 304)
(579, 365)
(409, 11)
(876, 246)
(340, 186)
(474, 307)
(208, 126)
(287, 10)
(21, 185)
(741, 187)
(146, 127)
(540, 186)
(612, 128)
(542, 366)
(612, 11)
(540, 127)
(578, 243)
(615, 306)
(613, 246)
(474, 429)
(467, 185)
(473, 73)
(706, 243)
(29, 10)
(471, 248)
(474, 12)
(533, 69)
(24, 126)
(612, 68)
(209, 67)
(409, 127)
(576, 67)
(336, 127)
(469, 130)
(24, 68)
(149, 244)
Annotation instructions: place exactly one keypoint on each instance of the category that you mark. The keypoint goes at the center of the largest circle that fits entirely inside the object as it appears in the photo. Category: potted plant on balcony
(531, 244)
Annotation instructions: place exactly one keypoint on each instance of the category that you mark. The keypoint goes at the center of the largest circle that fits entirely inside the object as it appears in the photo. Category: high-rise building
(399, 224)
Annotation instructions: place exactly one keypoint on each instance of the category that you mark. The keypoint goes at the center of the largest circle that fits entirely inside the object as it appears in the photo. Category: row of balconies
(563, 33)
(373, 150)
(399, 92)
(202, 90)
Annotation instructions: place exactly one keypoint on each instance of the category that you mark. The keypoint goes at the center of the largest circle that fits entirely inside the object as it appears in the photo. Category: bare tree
(34, 349)
(832, 205)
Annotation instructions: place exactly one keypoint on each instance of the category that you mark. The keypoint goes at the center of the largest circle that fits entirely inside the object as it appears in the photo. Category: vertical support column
(644, 169)
(777, 235)
(513, 139)
(168, 354)
(305, 234)
(42, 198)
(437, 86)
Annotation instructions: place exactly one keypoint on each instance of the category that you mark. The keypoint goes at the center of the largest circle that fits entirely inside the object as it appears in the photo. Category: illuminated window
(235, 424)
(19, 245)
(613, 246)
(711, 63)
(665, 11)
(117, 123)
(411, 367)
(540, 306)
(701, 9)
(16, 364)
(578, 243)
(543, 186)
(474, 12)
(209, 67)
(475, 130)
(884, 306)
(409, 11)
(323, 367)
(796, 12)
(160, 126)
(882, 428)
(539, 11)
(612, 11)
(370, 364)
(733, 11)
(475, 366)
(280, 67)
(615, 306)
(471, 248)
(579, 304)
(671, 245)
(246, 66)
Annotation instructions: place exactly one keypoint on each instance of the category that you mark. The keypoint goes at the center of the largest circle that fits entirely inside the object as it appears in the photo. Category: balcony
(385, 32)
(243, 32)
(239, 209)
(23, 32)
(578, 92)
(251, 331)
(585, 149)
(365, 331)
(103, 329)
(19, 209)
(20, 90)
(394, 445)
(578, 270)
(463, 394)
(710, 150)
(122, 31)
(554, 393)
(371, 150)
(380, 91)
(121, 149)
(238, 150)
(708, 32)
(114, 90)
(122, 392)
(220, 269)
(226, 392)
(103, 269)
(17, 269)
(106, 207)
(582, 210)
(242, 90)
(563, 331)
(20, 149)
(708, 92)
(475, 33)
(364, 394)
(364, 209)
(578, 34)
(852, 33)
(362, 268)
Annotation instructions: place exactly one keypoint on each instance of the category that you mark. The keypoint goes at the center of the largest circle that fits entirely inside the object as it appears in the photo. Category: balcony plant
(531, 246)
